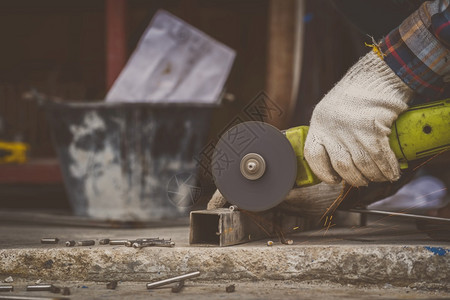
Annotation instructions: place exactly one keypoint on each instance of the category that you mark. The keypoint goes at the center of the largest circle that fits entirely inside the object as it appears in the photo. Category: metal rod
(11, 297)
(118, 242)
(399, 214)
(6, 288)
(172, 280)
(49, 241)
(43, 287)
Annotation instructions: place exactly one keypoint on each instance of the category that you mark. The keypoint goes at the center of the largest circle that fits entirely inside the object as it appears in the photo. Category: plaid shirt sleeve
(418, 51)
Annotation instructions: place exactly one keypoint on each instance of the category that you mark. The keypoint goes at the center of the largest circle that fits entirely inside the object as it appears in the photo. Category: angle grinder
(255, 165)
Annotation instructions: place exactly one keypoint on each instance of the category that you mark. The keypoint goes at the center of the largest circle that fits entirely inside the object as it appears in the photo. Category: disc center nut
(252, 166)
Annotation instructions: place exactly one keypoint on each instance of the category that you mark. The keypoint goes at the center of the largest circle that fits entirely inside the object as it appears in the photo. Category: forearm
(418, 51)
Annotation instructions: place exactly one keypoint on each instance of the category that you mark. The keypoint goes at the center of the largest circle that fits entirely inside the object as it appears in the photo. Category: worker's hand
(348, 135)
(216, 201)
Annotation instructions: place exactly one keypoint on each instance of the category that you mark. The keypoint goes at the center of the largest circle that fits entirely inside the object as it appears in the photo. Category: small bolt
(230, 289)
(70, 243)
(111, 285)
(86, 243)
(104, 241)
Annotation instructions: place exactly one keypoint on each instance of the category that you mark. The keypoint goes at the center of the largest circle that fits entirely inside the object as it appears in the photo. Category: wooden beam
(284, 56)
(116, 52)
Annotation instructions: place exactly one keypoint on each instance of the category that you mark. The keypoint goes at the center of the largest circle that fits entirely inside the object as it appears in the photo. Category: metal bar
(399, 214)
(172, 280)
(18, 297)
(6, 288)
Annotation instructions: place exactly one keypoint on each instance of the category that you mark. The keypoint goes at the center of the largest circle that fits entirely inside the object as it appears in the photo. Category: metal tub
(117, 158)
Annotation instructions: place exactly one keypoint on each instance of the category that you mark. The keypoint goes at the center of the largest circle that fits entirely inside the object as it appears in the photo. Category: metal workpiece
(159, 283)
(43, 287)
(86, 243)
(70, 243)
(6, 288)
(49, 241)
(104, 241)
(224, 227)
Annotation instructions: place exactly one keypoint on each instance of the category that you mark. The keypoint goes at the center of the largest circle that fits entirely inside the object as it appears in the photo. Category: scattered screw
(269, 243)
(111, 285)
(70, 243)
(104, 242)
(86, 243)
(66, 291)
(129, 243)
(43, 287)
(117, 242)
(178, 287)
(6, 288)
(49, 241)
(8, 279)
(230, 289)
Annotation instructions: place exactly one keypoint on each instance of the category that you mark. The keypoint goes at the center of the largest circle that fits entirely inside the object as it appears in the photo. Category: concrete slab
(383, 253)
(197, 290)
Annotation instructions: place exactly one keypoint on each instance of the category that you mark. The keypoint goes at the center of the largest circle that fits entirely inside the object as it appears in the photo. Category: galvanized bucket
(117, 159)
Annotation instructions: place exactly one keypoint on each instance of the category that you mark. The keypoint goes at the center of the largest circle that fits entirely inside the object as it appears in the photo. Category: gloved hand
(348, 134)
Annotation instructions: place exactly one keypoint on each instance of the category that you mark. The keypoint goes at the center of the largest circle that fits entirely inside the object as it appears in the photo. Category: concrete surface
(197, 290)
(384, 253)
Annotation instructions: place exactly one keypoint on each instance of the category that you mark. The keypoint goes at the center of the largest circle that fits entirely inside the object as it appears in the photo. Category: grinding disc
(254, 166)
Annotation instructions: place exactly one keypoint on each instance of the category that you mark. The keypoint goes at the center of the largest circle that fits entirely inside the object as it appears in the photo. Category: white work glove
(348, 134)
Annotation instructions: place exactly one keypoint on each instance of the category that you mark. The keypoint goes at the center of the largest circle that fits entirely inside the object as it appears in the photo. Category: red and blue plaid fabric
(418, 51)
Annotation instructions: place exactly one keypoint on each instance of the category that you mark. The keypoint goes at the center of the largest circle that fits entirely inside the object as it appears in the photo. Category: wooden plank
(284, 56)
(116, 52)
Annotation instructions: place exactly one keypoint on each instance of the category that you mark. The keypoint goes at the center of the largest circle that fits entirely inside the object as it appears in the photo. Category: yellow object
(16, 152)
(419, 132)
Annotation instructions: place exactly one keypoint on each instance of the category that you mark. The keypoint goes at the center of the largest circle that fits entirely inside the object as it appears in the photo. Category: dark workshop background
(74, 49)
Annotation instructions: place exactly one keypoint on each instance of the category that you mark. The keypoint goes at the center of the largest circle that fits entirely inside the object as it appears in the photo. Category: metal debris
(269, 243)
(230, 289)
(49, 241)
(86, 243)
(153, 243)
(178, 287)
(70, 243)
(111, 285)
(6, 288)
(172, 280)
(8, 279)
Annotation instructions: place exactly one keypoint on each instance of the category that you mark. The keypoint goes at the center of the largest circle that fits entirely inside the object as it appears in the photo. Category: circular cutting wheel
(254, 166)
